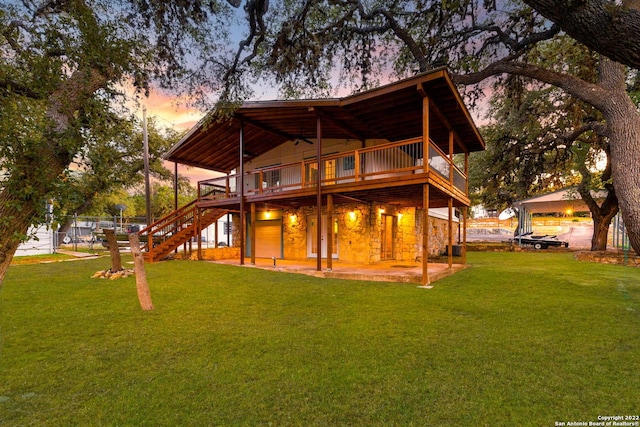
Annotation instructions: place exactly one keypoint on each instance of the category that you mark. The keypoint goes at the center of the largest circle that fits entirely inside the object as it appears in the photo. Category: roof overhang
(393, 112)
(559, 201)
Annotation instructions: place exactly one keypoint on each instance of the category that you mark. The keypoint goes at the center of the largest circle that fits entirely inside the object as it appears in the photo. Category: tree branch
(590, 93)
(608, 28)
(18, 88)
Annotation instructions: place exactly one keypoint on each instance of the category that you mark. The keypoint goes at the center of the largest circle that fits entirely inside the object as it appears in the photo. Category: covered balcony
(396, 164)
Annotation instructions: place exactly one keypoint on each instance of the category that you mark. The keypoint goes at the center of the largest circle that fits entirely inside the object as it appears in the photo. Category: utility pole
(145, 143)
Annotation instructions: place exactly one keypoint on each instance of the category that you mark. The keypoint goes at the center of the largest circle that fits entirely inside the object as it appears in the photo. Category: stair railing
(167, 226)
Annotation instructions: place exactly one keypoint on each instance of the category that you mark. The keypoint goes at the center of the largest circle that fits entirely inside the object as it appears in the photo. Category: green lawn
(519, 339)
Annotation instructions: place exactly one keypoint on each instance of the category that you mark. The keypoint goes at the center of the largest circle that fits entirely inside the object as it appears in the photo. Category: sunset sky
(172, 112)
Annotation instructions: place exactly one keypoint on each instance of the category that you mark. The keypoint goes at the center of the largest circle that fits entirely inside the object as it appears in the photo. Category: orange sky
(171, 111)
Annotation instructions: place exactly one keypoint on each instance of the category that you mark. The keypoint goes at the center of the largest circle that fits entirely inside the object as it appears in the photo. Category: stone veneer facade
(359, 233)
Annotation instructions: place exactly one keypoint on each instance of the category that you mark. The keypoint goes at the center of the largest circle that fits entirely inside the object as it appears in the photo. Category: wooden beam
(198, 213)
(329, 232)
(340, 125)
(464, 212)
(241, 194)
(319, 191)
(425, 236)
(253, 234)
(440, 115)
(266, 128)
(425, 134)
(450, 234)
(451, 157)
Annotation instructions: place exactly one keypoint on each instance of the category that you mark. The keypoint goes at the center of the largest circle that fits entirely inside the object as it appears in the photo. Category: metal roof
(392, 112)
(559, 201)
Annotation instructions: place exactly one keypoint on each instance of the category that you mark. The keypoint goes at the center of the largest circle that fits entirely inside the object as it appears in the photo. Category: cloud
(171, 110)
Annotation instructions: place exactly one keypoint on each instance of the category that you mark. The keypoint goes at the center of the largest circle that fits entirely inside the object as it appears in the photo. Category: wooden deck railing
(378, 162)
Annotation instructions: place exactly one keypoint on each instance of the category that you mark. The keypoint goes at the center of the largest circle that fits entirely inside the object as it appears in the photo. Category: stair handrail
(167, 218)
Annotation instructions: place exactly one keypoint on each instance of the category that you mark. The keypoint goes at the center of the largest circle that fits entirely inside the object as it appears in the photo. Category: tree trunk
(26, 191)
(144, 295)
(15, 219)
(114, 250)
(600, 234)
(623, 125)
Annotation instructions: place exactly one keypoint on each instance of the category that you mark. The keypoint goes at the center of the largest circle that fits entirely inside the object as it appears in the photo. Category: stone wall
(213, 254)
(294, 225)
(360, 228)
(609, 257)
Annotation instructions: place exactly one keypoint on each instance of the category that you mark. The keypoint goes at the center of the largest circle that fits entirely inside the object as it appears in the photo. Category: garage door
(269, 239)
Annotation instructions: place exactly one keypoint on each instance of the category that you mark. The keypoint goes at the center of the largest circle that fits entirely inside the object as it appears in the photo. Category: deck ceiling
(392, 112)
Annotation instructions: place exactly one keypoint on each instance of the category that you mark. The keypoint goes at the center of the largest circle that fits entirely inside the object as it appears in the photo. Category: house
(352, 178)
(40, 242)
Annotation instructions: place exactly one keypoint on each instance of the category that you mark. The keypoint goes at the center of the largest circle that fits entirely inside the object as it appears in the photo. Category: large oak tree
(63, 64)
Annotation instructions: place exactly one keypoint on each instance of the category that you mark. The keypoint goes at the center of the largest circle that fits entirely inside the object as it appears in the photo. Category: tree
(62, 66)
(542, 140)
(162, 198)
(611, 28)
(478, 41)
(117, 163)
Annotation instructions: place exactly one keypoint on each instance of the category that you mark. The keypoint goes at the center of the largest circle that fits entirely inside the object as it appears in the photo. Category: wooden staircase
(175, 229)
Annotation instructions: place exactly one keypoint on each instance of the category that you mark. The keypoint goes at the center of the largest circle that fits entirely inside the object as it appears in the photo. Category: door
(312, 237)
(269, 239)
(387, 237)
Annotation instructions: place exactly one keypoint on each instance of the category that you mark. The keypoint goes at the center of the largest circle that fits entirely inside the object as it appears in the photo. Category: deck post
(425, 235)
(252, 237)
(215, 234)
(241, 193)
(425, 133)
(450, 233)
(451, 167)
(199, 232)
(464, 213)
(319, 190)
(329, 232)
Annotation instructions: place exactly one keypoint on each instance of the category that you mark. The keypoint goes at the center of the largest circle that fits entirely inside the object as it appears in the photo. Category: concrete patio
(385, 271)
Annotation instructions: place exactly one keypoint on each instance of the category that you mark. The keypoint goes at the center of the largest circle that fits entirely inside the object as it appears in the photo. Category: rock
(108, 274)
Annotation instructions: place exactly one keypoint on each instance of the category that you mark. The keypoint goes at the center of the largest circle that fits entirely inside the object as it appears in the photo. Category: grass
(519, 339)
(38, 259)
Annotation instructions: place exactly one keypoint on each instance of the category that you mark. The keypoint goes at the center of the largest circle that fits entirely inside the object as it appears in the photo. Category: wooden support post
(425, 235)
(319, 190)
(144, 295)
(464, 213)
(329, 232)
(199, 231)
(240, 191)
(425, 133)
(252, 236)
(215, 234)
(451, 167)
(450, 234)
